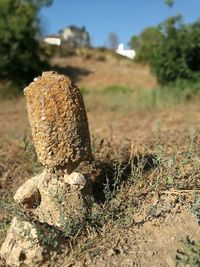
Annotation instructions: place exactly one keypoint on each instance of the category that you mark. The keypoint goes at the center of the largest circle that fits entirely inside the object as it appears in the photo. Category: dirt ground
(164, 218)
(152, 243)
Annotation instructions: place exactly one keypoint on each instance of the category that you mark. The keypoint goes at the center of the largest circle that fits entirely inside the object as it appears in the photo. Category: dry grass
(94, 74)
(126, 183)
(145, 171)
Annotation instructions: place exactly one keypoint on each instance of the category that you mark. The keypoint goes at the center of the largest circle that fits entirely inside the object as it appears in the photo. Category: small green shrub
(195, 208)
(190, 254)
(8, 209)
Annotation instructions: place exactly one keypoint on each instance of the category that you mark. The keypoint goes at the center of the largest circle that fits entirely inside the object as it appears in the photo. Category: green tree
(145, 43)
(19, 48)
(178, 55)
(135, 42)
(171, 49)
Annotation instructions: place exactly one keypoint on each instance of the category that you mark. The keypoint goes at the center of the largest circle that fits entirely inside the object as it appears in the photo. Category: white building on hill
(53, 40)
(72, 36)
(130, 53)
(75, 36)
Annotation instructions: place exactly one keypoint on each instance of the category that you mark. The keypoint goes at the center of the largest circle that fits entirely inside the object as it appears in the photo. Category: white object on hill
(125, 52)
(52, 40)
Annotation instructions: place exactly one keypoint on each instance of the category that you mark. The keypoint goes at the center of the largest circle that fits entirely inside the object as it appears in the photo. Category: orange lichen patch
(58, 120)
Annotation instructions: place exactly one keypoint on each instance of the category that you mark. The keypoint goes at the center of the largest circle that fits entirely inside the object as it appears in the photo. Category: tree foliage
(145, 43)
(173, 51)
(170, 3)
(178, 55)
(19, 48)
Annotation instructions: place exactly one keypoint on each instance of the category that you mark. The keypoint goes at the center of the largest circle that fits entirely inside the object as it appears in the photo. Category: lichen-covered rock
(28, 194)
(58, 120)
(60, 203)
(21, 246)
(78, 182)
(75, 178)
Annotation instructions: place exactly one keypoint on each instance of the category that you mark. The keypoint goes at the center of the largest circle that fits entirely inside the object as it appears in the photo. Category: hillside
(102, 69)
(144, 172)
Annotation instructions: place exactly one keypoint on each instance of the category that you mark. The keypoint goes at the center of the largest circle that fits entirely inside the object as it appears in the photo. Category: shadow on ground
(112, 172)
(74, 73)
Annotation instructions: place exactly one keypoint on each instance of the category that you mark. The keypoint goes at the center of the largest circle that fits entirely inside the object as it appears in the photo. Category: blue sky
(124, 17)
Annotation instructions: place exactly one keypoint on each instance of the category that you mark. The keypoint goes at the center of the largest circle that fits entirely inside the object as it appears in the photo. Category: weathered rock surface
(75, 178)
(58, 120)
(28, 194)
(59, 201)
(22, 246)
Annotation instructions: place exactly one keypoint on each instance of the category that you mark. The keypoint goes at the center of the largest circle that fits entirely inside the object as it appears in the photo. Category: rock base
(22, 246)
(57, 203)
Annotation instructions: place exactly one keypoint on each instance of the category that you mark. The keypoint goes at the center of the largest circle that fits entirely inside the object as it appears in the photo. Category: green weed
(189, 254)
(126, 99)
(8, 209)
(30, 153)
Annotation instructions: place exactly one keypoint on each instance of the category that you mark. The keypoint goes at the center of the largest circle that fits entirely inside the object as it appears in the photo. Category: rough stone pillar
(58, 121)
(58, 195)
